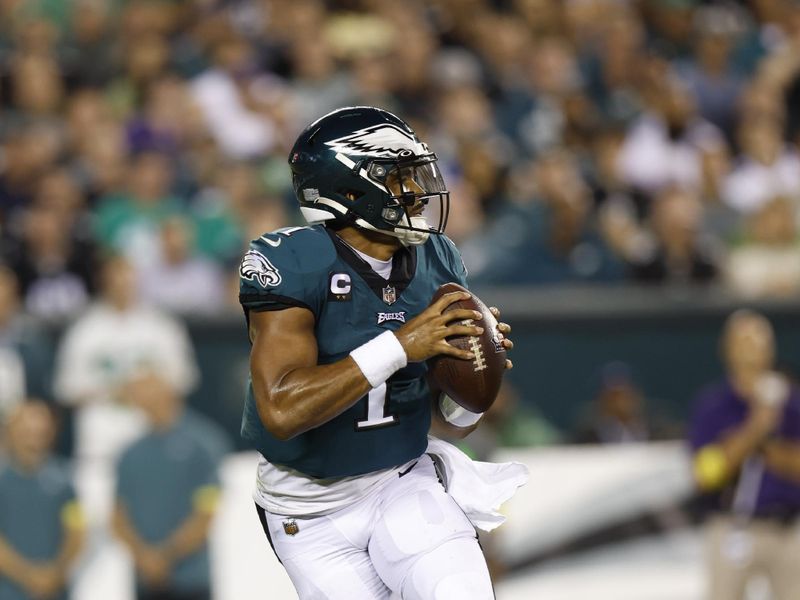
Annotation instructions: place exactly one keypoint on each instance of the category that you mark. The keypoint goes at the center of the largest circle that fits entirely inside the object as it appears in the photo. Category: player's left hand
(505, 329)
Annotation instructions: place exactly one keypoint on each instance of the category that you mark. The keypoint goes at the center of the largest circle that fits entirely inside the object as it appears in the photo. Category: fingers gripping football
(505, 329)
(425, 335)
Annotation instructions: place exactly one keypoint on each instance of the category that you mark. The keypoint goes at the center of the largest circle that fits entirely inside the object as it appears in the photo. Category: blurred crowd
(653, 141)
(144, 142)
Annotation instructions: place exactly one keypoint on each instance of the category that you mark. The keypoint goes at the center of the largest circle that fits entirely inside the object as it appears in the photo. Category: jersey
(311, 267)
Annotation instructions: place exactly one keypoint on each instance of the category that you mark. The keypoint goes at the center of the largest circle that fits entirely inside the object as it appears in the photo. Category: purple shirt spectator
(720, 409)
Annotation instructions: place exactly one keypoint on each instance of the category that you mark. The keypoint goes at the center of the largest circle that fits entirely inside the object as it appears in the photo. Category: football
(471, 383)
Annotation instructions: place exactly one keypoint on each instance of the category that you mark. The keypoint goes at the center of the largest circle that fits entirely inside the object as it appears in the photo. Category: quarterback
(341, 323)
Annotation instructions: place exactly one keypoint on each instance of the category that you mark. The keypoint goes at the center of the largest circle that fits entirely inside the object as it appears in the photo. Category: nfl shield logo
(389, 294)
(290, 527)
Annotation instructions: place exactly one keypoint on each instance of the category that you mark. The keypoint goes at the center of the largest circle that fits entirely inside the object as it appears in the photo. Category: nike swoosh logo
(272, 243)
(407, 471)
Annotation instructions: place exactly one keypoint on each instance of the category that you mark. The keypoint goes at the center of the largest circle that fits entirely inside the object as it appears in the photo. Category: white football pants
(408, 537)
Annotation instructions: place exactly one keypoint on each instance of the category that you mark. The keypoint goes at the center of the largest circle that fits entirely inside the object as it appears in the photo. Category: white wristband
(380, 357)
(457, 415)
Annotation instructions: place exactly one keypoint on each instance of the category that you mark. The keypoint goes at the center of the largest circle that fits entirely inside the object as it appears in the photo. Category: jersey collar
(404, 266)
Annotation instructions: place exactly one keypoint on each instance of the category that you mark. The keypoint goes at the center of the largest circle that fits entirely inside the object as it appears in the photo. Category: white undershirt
(381, 267)
(285, 491)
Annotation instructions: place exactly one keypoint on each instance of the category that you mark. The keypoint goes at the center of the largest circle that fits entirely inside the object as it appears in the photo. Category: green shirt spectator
(129, 222)
(34, 509)
(41, 524)
(167, 491)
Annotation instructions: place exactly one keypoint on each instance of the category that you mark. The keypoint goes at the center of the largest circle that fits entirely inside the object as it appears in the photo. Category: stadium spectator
(145, 59)
(96, 144)
(38, 89)
(223, 209)
(87, 52)
(27, 154)
(168, 120)
(114, 339)
(613, 69)
(167, 532)
(720, 220)
(232, 97)
(54, 260)
(41, 523)
(128, 223)
(766, 263)
(673, 250)
(219, 82)
(181, 281)
(767, 169)
(665, 145)
(25, 358)
(546, 237)
(713, 77)
(745, 438)
(318, 84)
(618, 413)
(605, 178)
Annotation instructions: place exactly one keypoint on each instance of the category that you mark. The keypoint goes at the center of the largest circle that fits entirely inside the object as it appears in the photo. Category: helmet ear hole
(351, 195)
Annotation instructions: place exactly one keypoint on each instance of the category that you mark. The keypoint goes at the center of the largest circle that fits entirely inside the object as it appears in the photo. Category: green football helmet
(365, 167)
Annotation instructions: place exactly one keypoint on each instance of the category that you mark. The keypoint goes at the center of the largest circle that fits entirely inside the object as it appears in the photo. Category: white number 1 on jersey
(376, 410)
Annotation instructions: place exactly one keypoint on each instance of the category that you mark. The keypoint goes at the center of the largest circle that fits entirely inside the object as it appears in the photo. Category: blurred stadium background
(624, 174)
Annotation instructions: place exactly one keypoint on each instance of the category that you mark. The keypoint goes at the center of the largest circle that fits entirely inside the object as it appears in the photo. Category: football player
(338, 403)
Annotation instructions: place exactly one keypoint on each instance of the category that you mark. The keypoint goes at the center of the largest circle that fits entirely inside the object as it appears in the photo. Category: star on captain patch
(290, 527)
(389, 294)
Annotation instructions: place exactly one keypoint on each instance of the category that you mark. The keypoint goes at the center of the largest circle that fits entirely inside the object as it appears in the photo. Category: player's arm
(294, 394)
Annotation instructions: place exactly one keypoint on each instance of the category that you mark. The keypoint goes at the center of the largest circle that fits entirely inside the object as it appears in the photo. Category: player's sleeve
(275, 278)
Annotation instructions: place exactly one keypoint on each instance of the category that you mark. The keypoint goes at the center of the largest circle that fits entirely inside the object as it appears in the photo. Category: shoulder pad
(287, 267)
(447, 253)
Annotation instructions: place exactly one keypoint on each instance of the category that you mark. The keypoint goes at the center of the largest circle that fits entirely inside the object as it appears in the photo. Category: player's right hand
(424, 335)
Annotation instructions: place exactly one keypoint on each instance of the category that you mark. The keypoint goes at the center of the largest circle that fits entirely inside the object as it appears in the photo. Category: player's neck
(370, 243)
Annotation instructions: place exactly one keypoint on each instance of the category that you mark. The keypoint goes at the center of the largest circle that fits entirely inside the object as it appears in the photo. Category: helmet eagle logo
(256, 267)
(381, 141)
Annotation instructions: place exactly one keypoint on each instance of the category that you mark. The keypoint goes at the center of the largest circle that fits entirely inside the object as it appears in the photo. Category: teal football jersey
(311, 267)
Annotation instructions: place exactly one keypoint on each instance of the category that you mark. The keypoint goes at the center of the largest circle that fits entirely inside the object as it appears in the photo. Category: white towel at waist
(479, 488)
